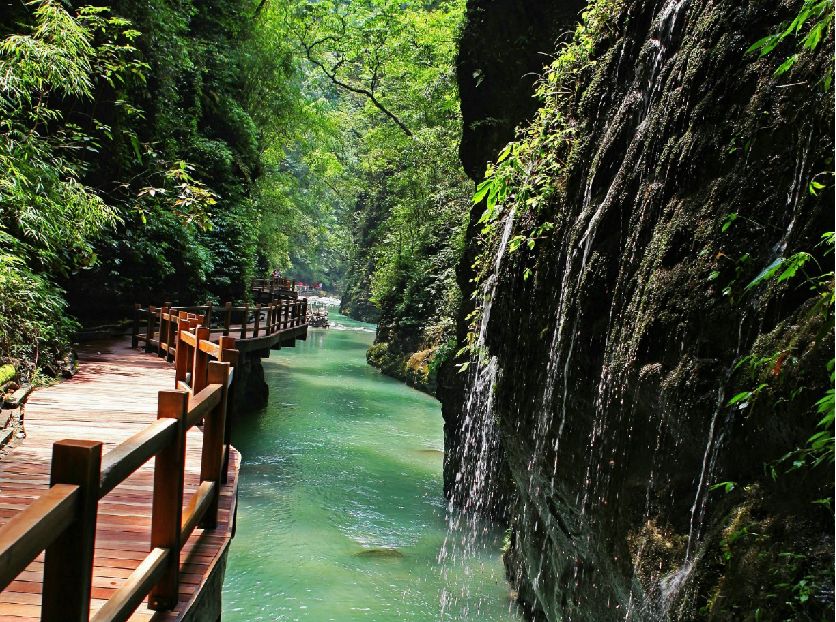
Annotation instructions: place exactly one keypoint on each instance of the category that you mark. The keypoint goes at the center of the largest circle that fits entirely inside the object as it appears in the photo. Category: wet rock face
(503, 47)
(402, 352)
(617, 356)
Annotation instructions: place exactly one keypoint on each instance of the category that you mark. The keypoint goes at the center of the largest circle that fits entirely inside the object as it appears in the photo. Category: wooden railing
(274, 284)
(62, 522)
(156, 327)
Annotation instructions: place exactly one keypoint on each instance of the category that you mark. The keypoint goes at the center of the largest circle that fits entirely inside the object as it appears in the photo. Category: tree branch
(359, 90)
(259, 8)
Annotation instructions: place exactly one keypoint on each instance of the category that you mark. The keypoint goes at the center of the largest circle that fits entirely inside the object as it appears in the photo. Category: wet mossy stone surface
(618, 353)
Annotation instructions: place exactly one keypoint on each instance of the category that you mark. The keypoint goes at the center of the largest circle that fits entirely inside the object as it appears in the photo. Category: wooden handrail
(188, 338)
(284, 311)
(212, 349)
(120, 462)
(63, 520)
(127, 598)
(27, 534)
(203, 403)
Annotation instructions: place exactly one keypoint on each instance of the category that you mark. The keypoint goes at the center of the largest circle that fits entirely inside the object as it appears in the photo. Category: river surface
(341, 514)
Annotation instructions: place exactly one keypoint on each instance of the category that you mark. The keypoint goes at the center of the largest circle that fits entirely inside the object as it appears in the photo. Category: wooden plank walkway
(113, 396)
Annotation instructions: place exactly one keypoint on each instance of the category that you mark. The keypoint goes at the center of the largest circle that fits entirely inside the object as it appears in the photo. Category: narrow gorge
(453, 311)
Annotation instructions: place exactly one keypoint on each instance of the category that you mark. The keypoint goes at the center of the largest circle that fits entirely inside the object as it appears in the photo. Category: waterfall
(474, 490)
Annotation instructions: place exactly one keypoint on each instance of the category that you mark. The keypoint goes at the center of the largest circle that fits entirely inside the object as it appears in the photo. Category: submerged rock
(380, 553)
(431, 452)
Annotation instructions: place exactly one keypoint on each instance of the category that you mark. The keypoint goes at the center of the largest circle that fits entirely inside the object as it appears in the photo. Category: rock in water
(380, 553)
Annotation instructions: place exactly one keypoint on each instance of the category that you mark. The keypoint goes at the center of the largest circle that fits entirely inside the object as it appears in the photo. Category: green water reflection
(340, 514)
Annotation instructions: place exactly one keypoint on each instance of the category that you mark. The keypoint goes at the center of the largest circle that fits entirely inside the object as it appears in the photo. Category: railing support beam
(68, 566)
(167, 507)
(214, 430)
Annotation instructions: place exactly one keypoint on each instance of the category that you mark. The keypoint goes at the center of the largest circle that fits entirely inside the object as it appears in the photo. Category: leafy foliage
(386, 70)
(49, 218)
(34, 327)
(809, 28)
(130, 154)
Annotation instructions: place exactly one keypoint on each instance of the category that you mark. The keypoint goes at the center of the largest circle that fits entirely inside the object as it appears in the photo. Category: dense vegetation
(173, 151)
(132, 141)
(390, 65)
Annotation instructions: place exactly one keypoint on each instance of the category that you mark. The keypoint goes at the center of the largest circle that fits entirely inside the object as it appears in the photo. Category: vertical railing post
(228, 355)
(182, 360)
(161, 336)
(227, 318)
(135, 329)
(149, 330)
(167, 506)
(209, 316)
(171, 337)
(267, 309)
(194, 321)
(244, 321)
(257, 319)
(212, 456)
(163, 341)
(201, 360)
(68, 565)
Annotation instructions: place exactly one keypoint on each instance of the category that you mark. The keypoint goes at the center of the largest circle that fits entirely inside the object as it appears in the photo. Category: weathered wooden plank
(120, 387)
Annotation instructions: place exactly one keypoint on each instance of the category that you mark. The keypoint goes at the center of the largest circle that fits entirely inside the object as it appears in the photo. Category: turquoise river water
(341, 514)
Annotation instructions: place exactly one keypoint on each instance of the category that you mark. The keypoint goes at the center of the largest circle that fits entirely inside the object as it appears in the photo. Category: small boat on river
(317, 318)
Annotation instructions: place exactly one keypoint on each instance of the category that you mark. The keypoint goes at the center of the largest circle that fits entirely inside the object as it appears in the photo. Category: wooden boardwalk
(113, 396)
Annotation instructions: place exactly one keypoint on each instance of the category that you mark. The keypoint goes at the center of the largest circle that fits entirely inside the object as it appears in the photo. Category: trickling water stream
(341, 514)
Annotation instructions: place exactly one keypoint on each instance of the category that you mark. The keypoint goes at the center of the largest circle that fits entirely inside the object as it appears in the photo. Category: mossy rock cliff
(646, 398)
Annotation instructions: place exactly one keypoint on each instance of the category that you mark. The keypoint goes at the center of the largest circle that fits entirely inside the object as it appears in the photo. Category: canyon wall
(646, 393)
